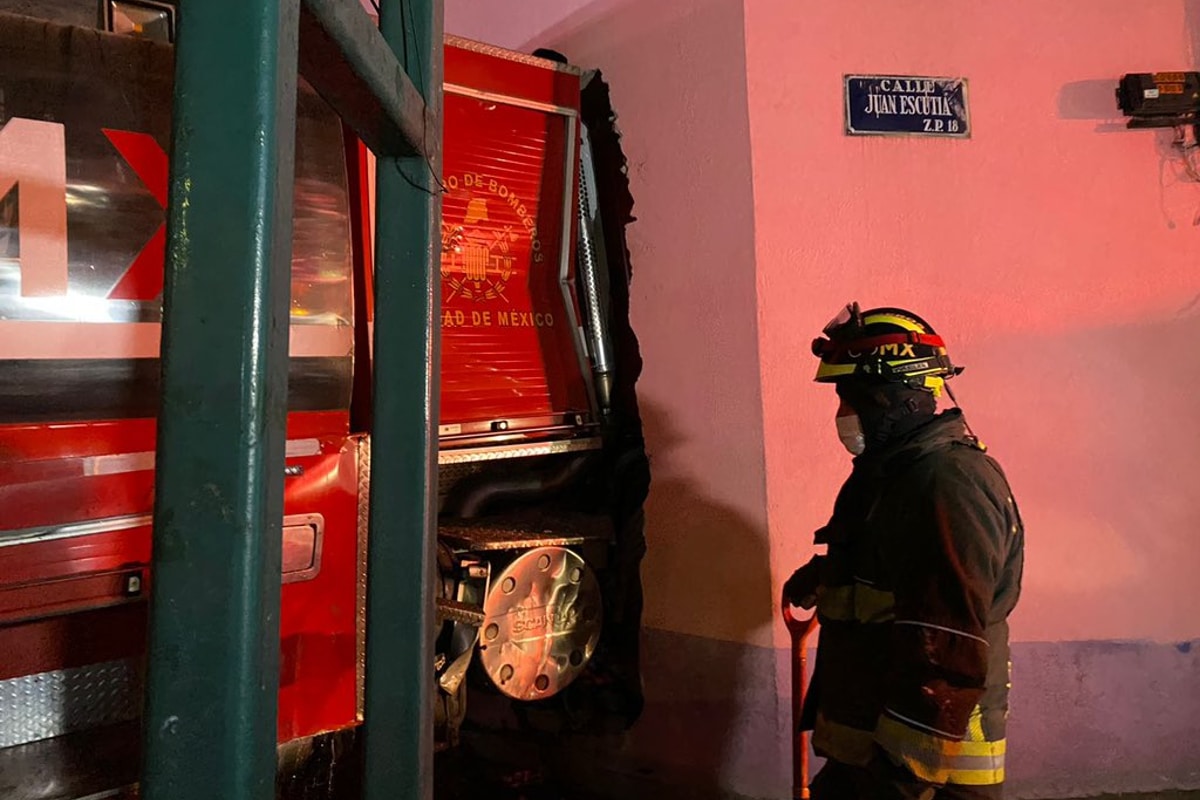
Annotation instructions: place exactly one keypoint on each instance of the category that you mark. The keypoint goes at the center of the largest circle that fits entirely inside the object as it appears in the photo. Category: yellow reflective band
(831, 371)
(856, 603)
(836, 602)
(937, 760)
(903, 322)
(873, 605)
(975, 726)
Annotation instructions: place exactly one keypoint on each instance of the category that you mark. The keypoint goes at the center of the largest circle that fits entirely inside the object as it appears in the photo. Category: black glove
(801, 589)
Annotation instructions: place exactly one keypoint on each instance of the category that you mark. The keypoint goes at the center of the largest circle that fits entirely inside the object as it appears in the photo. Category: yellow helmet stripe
(903, 322)
(834, 370)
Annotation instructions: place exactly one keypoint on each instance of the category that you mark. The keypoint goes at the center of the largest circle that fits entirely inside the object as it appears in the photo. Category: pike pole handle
(799, 630)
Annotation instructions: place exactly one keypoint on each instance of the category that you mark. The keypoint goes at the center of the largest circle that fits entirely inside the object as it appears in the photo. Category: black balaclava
(887, 411)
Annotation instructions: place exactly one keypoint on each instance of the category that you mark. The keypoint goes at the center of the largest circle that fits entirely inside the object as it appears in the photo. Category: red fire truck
(536, 432)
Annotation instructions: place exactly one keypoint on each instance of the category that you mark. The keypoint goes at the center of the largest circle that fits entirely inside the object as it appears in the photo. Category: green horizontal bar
(345, 58)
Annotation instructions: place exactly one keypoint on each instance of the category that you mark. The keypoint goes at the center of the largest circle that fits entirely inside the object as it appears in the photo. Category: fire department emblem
(477, 255)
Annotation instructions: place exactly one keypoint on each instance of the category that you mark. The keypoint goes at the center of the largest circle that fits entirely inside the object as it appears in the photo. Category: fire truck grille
(48, 704)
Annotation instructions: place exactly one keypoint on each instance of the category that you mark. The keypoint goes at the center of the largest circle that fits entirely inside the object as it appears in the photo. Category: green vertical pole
(213, 675)
(398, 727)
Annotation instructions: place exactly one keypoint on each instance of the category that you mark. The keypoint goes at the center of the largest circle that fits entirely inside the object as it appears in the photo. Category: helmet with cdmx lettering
(888, 345)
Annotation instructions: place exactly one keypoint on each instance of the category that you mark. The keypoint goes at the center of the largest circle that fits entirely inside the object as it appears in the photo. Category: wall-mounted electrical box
(1160, 99)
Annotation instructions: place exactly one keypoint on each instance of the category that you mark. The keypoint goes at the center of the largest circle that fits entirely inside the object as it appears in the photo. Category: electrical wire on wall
(1165, 100)
(1187, 150)
(409, 32)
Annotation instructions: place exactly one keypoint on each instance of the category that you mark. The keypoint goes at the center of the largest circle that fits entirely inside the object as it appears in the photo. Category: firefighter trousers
(884, 781)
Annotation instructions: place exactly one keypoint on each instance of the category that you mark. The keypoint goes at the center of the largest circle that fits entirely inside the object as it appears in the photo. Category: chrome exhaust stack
(593, 268)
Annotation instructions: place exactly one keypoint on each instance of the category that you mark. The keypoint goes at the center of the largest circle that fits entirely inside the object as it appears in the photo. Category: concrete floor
(512, 769)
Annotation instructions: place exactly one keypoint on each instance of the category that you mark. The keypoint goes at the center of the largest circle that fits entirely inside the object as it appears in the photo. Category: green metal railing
(214, 621)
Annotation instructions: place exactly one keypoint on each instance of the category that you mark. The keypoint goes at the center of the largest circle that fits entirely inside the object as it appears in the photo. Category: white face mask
(851, 433)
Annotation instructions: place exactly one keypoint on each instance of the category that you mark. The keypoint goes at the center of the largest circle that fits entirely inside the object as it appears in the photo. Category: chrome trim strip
(74, 529)
(299, 448)
(360, 621)
(112, 794)
(474, 454)
(508, 55)
(590, 260)
(121, 463)
(566, 282)
(509, 100)
(36, 339)
(118, 463)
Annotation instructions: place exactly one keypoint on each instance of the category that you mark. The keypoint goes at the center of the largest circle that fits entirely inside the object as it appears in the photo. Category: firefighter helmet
(885, 344)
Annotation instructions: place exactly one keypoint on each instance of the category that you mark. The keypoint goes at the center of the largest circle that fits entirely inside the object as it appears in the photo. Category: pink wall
(1057, 252)
(501, 24)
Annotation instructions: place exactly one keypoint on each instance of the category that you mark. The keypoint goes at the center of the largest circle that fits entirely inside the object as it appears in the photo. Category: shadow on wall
(709, 728)
(711, 703)
(1095, 100)
(1092, 99)
(713, 559)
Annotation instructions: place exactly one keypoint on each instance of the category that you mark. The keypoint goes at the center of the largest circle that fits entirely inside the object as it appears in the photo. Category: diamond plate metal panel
(51, 704)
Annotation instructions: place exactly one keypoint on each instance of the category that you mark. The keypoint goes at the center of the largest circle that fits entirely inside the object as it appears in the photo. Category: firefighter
(923, 567)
